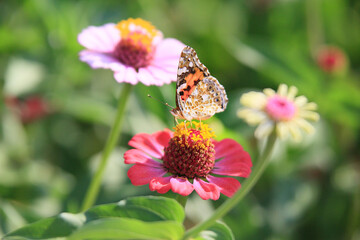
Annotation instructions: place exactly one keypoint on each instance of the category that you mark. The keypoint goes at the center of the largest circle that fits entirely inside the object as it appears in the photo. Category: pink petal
(228, 186)
(160, 184)
(130, 76)
(235, 162)
(139, 157)
(163, 137)
(161, 76)
(168, 49)
(181, 186)
(233, 166)
(100, 39)
(141, 174)
(148, 144)
(206, 190)
(226, 147)
(101, 60)
(145, 77)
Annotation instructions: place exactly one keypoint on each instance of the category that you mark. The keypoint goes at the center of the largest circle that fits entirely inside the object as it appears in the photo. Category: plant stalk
(113, 138)
(247, 186)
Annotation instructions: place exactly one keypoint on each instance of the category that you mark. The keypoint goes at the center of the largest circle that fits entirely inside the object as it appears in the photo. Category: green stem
(247, 186)
(94, 187)
(182, 200)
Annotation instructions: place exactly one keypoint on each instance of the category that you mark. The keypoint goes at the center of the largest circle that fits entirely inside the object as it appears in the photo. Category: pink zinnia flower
(134, 49)
(186, 160)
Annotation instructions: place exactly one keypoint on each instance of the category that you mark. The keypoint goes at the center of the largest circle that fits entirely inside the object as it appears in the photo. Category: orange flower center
(137, 44)
(190, 152)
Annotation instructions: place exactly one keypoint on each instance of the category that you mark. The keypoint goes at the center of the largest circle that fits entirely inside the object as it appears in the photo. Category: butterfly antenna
(160, 101)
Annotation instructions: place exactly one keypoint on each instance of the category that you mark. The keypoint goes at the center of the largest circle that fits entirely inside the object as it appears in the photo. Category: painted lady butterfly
(198, 94)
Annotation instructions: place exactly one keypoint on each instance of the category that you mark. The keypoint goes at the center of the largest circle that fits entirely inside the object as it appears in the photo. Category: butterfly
(198, 94)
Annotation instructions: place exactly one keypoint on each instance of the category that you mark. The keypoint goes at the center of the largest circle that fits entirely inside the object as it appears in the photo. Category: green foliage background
(310, 191)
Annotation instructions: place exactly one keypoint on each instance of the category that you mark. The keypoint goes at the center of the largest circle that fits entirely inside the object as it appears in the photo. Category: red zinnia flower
(331, 59)
(187, 159)
(30, 109)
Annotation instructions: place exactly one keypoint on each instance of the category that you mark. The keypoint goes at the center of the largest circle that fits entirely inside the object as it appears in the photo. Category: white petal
(305, 125)
(255, 100)
(292, 92)
(300, 101)
(251, 116)
(310, 115)
(269, 92)
(282, 90)
(264, 129)
(282, 130)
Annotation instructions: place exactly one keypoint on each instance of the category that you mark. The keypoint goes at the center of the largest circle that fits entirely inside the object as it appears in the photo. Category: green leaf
(218, 231)
(59, 226)
(167, 208)
(150, 209)
(126, 228)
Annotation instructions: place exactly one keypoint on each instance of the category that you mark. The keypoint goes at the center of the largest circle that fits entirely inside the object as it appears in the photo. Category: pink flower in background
(186, 160)
(331, 59)
(134, 50)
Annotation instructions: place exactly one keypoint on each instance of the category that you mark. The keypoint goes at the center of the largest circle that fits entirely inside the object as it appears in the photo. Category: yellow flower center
(141, 33)
(190, 152)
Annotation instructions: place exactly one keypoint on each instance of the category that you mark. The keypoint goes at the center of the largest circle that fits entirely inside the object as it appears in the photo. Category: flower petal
(139, 157)
(235, 162)
(148, 144)
(256, 100)
(181, 186)
(130, 76)
(252, 116)
(163, 137)
(264, 129)
(169, 49)
(228, 186)
(206, 190)
(101, 60)
(141, 174)
(227, 147)
(100, 39)
(145, 77)
(160, 184)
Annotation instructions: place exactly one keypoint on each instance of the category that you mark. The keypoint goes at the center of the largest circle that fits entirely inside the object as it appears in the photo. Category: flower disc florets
(190, 153)
(138, 38)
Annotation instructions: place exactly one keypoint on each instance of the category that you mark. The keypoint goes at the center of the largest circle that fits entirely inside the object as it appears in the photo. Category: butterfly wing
(208, 98)
(198, 95)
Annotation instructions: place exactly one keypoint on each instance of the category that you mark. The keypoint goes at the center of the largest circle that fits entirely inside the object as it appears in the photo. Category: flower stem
(182, 200)
(247, 186)
(94, 187)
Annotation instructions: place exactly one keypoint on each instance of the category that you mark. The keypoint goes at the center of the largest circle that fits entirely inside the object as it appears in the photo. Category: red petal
(148, 144)
(232, 166)
(235, 162)
(226, 147)
(181, 186)
(206, 190)
(141, 174)
(160, 184)
(228, 186)
(163, 137)
(136, 156)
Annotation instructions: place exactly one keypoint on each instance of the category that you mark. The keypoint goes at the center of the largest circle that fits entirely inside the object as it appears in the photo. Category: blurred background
(55, 111)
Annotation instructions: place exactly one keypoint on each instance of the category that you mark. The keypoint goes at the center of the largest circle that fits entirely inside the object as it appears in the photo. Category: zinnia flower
(331, 59)
(187, 159)
(134, 49)
(280, 110)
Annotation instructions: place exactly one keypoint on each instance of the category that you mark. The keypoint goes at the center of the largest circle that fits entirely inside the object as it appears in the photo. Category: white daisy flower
(279, 110)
